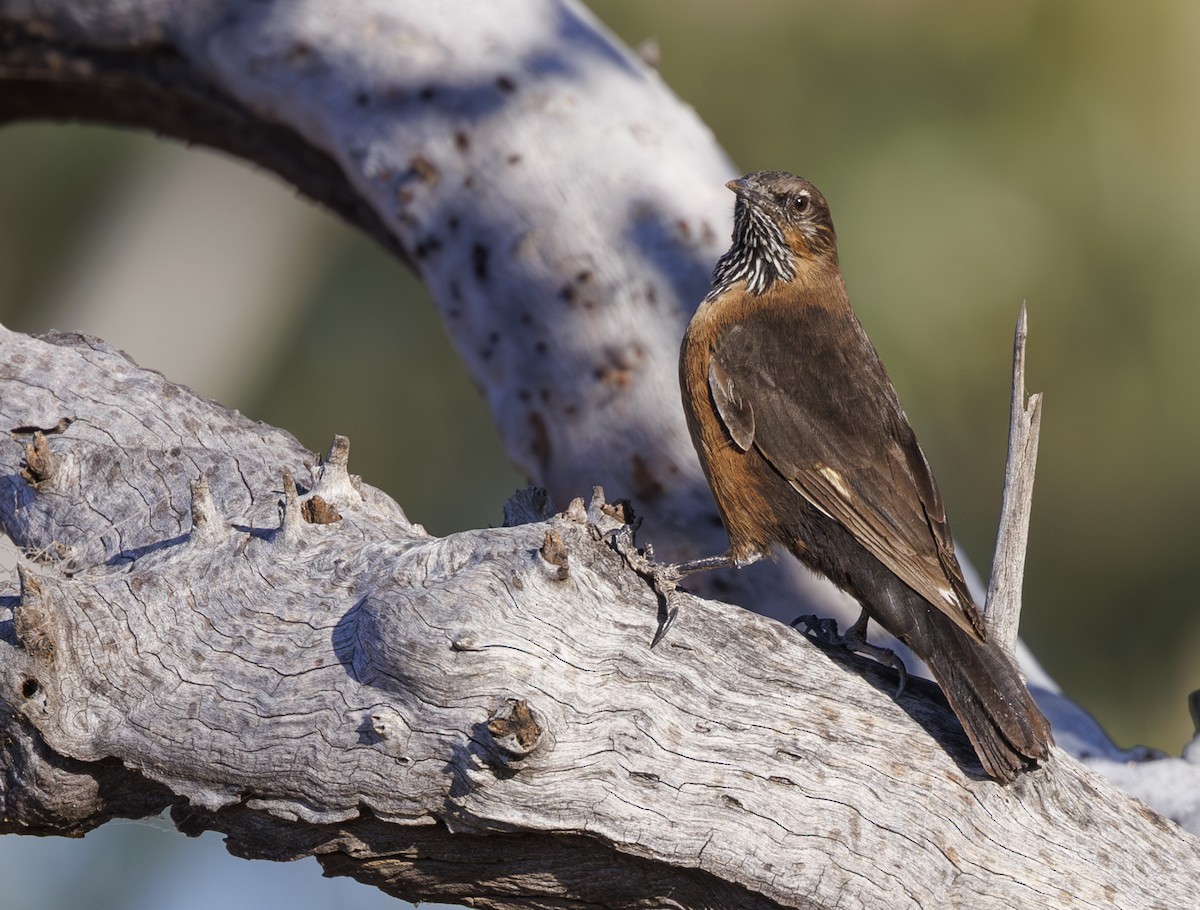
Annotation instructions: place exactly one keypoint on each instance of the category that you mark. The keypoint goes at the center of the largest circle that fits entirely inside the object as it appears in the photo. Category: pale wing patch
(835, 478)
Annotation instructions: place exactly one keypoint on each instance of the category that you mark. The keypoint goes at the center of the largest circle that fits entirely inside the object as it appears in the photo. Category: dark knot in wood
(317, 511)
(515, 728)
(554, 552)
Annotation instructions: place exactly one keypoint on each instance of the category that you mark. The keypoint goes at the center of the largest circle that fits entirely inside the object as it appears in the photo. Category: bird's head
(781, 225)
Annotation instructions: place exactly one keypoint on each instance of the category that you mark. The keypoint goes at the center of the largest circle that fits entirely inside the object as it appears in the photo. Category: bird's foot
(818, 628)
(664, 578)
(671, 574)
(825, 630)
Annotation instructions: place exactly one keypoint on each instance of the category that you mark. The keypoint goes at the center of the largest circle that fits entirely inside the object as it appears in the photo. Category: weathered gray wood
(1012, 538)
(561, 205)
(366, 107)
(407, 707)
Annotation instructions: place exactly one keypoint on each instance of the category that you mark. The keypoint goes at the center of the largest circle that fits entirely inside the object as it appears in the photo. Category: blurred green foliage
(975, 156)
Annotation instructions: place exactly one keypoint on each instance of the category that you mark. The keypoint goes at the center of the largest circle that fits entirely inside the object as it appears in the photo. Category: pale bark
(562, 207)
(1012, 538)
(329, 687)
(473, 718)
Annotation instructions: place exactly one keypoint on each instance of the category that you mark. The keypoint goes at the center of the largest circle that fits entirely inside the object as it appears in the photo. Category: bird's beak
(749, 192)
(741, 186)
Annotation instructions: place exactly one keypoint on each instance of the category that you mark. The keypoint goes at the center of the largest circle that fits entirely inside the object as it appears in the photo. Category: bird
(804, 444)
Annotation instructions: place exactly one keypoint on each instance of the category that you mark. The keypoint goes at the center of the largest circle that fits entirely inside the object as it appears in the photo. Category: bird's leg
(707, 564)
(671, 573)
(856, 641)
(853, 639)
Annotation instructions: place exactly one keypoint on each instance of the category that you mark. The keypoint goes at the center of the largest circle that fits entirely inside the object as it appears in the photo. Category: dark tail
(1008, 730)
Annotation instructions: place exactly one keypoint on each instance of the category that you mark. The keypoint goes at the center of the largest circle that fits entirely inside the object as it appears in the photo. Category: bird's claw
(888, 658)
(666, 617)
(663, 579)
(821, 628)
(825, 630)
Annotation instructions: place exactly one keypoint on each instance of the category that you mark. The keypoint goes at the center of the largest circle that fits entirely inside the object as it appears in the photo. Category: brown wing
(807, 389)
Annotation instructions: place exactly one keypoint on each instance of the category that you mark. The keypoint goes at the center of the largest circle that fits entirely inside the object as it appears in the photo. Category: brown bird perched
(804, 444)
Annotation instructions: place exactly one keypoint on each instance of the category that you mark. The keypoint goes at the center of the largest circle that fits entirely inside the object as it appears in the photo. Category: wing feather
(735, 411)
(824, 414)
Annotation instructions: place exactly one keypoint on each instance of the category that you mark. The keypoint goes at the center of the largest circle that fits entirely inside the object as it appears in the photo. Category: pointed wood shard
(1008, 563)
(290, 519)
(334, 483)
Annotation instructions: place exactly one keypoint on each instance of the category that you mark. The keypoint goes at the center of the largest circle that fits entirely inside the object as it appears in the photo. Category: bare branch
(344, 684)
(401, 705)
(1008, 564)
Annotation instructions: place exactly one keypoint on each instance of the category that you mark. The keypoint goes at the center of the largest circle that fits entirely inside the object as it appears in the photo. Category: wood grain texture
(423, 129)
(1012, 538)
(562, 206)
(473, 718)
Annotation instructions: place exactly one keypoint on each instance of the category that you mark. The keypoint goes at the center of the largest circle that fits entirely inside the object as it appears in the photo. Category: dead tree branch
(1012, 539)
(211, 620)
(294, 663)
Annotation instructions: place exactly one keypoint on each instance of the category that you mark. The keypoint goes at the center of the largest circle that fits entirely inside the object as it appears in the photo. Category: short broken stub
(40, 464)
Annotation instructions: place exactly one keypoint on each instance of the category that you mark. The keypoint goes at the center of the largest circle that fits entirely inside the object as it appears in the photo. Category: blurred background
(975, 156)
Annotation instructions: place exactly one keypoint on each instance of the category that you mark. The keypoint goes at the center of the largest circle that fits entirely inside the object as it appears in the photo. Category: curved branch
(344, 685)
(561, 205)
(472, 148)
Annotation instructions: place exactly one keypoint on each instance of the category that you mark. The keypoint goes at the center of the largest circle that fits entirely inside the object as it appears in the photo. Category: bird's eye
(801, 202)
